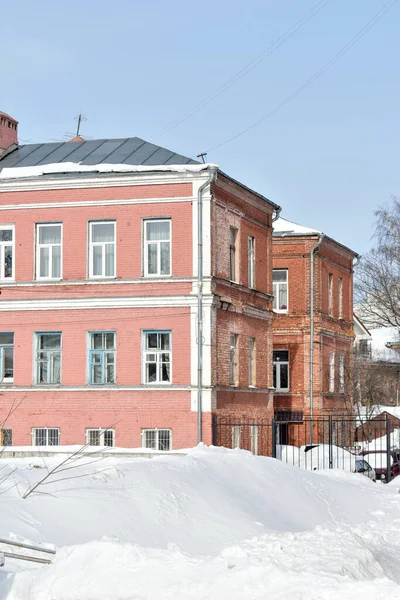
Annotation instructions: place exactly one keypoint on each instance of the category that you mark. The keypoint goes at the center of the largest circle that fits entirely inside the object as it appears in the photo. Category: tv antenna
(202, 155)
(80, 117)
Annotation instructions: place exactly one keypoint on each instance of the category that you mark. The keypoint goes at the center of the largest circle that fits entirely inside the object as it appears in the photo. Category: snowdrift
(214, 522)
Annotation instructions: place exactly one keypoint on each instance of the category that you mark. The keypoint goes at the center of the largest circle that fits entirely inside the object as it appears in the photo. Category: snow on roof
(283, 226)
(380, 337)
(70, 167)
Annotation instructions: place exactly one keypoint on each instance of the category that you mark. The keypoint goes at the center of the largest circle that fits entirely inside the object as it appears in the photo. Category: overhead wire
(356, 38)
(248, 67)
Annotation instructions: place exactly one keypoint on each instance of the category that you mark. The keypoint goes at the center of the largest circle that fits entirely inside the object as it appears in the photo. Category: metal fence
(347, 443)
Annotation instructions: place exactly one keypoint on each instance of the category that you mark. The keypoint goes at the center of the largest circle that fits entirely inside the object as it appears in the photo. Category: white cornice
(102, 303)
(99, 181)
(117, 201)
(73, 282)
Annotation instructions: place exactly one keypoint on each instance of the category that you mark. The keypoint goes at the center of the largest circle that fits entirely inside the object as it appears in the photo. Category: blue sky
(329, 158)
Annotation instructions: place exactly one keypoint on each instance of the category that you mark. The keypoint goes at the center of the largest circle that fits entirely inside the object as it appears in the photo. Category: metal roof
(129, 151)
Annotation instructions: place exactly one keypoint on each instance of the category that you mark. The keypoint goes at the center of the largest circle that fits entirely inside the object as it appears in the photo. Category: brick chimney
(8, 132)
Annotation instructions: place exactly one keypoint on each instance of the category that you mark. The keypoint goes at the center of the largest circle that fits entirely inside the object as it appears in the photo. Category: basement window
(157, 439)
(46, 436)
(100, 437)
(5, 437)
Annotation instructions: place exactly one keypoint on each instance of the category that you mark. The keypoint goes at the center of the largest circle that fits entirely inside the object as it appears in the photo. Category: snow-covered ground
(216, 523)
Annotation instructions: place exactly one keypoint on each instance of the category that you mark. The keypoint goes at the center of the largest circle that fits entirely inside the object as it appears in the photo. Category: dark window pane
(6, 235)
(280, 355)
(6, 338)
(8, 261)
(151, 340)
(284, 376)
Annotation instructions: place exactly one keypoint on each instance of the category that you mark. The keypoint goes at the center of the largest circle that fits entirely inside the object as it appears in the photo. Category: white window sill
(156, 383)
(280, 312)
(282, 391)
(48, 279)
(156, 276)
(101, 277)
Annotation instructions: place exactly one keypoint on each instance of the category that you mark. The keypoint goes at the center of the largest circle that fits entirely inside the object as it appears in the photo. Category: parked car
(322, 456)
(378, 460)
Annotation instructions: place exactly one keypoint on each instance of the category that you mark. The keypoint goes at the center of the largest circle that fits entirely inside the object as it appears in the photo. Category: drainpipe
(207, 183)
(277, 214)
(321, 237)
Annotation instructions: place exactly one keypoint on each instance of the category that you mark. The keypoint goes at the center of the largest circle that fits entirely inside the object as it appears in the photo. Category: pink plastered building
(136, 295)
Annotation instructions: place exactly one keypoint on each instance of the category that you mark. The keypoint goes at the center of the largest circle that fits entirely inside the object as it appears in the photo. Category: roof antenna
(202, 155)
(80, 117)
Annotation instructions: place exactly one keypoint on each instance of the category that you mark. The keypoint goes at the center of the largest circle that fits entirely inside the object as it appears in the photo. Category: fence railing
(370, 447)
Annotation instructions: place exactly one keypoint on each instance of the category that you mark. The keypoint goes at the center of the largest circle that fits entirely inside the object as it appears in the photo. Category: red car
(378, 460)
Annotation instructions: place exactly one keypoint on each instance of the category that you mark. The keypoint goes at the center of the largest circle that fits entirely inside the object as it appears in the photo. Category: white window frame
(36, 362)
(251, 251)
(252, 362)
(277, 364)
(341, 374)
(158, 242)
(236, 436)
(340, 297)
(4, 380)
(102, 244)
(233, 254)
(2, 250)
(101, 431)
(50, 248)
(103, 363)
(254, 439)
(330, 294)
(157, 352)
(275, 291)
(331, 372)
(233, 359)
(46, 430)
(156, 430)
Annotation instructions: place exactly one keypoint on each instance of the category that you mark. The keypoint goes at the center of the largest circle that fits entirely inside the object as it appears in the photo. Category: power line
(381, 13)
(249, 67)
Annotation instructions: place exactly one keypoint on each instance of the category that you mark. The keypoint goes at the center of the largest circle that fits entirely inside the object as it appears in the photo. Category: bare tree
(377, 283)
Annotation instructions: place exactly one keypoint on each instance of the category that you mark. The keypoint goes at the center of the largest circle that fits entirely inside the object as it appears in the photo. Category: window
(5, 437)
(232, 253)
(254, 438)
(100, 437)
(331, 371)
(233, 359)
(48, 251)
(251, 261)
(330, 293)
(101, 357)
(157, 439)
(280, 289)
(7, 252)
(44, 436)
(236, 434)
(252, 361)
(341, 374)
(48, 358)
(102, 249)
(157, 357)
(7, 357)
(281, 370)
(157, 259)
(340, 297)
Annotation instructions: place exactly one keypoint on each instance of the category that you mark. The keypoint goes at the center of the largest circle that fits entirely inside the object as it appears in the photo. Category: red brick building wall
(332, 332)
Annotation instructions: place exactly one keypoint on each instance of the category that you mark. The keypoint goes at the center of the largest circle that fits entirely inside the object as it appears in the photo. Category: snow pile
(70, 167)
(215, 523)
